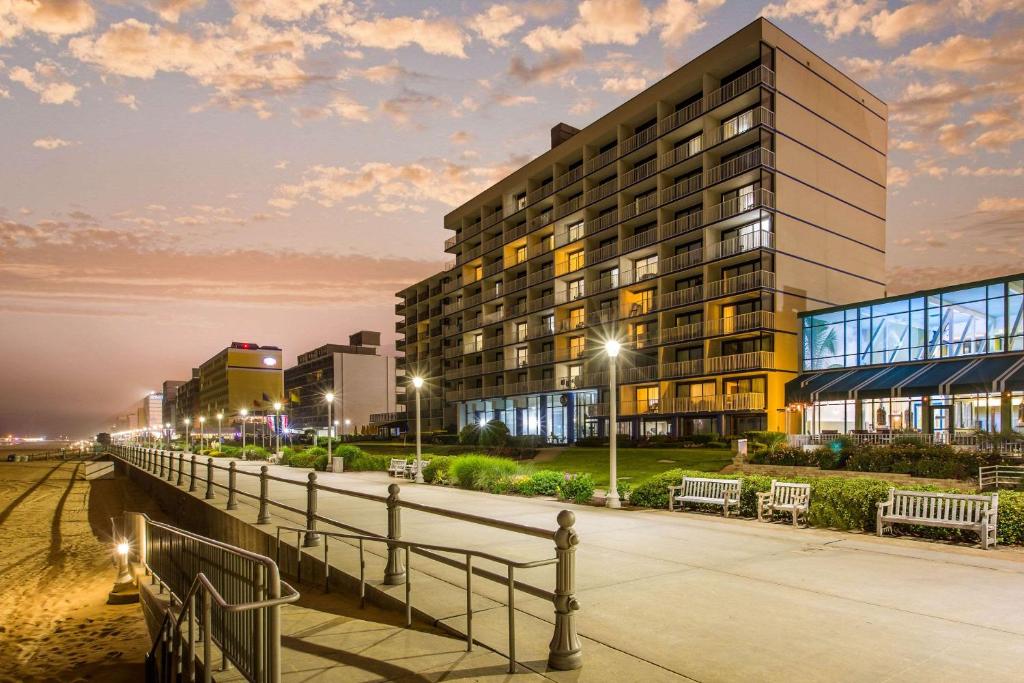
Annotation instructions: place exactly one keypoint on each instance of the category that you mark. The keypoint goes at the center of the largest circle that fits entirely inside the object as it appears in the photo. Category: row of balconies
(716, 403)
(760, 75)
(382, 418)
(742, 362)
(712, 176)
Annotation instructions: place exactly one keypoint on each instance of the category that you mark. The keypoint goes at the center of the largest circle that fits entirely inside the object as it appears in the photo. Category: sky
(178, 174)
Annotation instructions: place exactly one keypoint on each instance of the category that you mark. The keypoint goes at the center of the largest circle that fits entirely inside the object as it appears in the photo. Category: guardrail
(56, 454)
(245, 625)
(1000, 475)
(564, 649)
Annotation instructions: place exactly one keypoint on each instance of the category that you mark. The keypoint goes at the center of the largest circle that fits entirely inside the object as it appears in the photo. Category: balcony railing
(602, 159)
(569, 177)
(638, 173)
(718, 403)
(381, 418)
(603, 254)
(603, 190)
(759, 239)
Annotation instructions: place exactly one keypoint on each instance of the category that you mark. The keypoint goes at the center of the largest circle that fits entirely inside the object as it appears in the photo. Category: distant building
(146, 413)
(362, 380)
(244, 375)
(169, 410)
(186, 401)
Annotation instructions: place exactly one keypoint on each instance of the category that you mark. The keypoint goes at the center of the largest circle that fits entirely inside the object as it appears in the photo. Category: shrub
(785, 455)
(320, 463)
(528, 441)
(771, 441)
(653, 492)
(316, 450)
(592, 442)
(301, 459)
(358, 460)
(625, 490)
(478, 472)
(543, 483)
(493, 434)
(579, 488)
(436, 471)
(230, 451)
(849, 503)
(255, 453)
(716, 444)
(347, 451)
(1011, 517)
(511, 483)
(469, 435)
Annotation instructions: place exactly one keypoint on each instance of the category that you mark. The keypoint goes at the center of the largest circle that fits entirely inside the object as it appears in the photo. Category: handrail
(564, 650)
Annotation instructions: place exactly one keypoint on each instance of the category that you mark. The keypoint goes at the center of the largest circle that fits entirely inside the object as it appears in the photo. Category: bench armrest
(675, 489)
(764, 495)
(884, 505)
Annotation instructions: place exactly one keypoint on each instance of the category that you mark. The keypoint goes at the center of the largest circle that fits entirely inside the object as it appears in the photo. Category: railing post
(209, 479)
(394, 572)
(264, 514)
(312, 537)
(159, 455)
(170, 466)
(232, 498)
(564, 651)
(192, 473)
(181, 469)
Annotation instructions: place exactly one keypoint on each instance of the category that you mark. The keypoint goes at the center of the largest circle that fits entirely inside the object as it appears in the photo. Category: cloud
(129, 101)
(889, 27)
(435, 181)
(547, 69)
(897, 177)
(409, 104)
(460, 137)
(494, 24)
(244, 62)
(989, 172)
(912, 278)
(344, 107)
(861, 68)
(506, 100)
(48, 80)
(52, 17)
(171, 10)
(599, 22)
(52, 143)
(1000, 204)
(679, 19)
(966, 54)
(434, 36)
(837, 17)
(582, 106)
(629, 85)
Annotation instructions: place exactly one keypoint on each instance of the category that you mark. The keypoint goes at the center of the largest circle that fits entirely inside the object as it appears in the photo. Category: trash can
(337, 464)
(740, 447)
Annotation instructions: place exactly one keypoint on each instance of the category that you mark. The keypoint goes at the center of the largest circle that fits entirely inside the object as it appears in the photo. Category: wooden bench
(410, 469)
(784, 497)
(397, 467)
(724, 492)
(977, 513)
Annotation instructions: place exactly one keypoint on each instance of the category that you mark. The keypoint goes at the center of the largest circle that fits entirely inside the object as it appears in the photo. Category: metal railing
(564, 649)
(240, 594)
(1000, 475)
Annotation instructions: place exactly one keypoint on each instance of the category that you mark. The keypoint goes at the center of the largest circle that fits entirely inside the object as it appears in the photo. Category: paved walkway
(673, 596)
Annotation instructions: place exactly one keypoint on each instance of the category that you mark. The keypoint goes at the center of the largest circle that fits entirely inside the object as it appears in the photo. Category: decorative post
(192, 473)
(160, 466)
(209, 479)
(312, 538)
(394, 572)
(564, 651)
(170, 467)
(181, 469)
(232, 500)
(264, 515)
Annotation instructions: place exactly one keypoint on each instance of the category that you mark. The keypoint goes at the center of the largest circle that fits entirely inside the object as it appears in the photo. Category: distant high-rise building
(186, 401)
(692, 223)
(244, 375)
(362, 380)
(169, 410)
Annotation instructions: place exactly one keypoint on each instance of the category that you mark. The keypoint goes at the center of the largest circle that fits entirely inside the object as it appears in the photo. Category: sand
(55, 573)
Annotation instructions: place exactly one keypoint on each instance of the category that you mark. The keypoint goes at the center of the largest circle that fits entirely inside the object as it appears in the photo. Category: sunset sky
(177, 174)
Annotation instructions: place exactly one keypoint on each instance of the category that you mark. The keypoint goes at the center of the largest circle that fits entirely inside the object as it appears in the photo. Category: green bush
(255, 453)
(768, 440)
(917, 459)
(436, 471)
(230, 451)
(301, 459)
(543, 483)
(358, 460)
(469, 435)
(347, 451)
(785, 455)
(846, 503)
(478, 472)
(494, 434)
(579, 488)
(320, 462)
(1011, 517)
(510, 483)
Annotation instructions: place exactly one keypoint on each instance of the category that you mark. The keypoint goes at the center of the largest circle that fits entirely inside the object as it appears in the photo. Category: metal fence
(69, 453)
(239, 595)
(186, 470)
(1011, 476)
(965, 440)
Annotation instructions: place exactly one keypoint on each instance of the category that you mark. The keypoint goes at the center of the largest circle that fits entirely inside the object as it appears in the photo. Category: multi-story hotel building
(244, 375)
(692, 223)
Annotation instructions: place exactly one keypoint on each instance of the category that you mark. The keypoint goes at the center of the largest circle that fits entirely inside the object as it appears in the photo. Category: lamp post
(329, 397)
(188, 442)
(417, 382)
(277, 426)
(220, 419)
(202, 432)
(245, 416)
(348, 423)
(611, 499)
(167, 434)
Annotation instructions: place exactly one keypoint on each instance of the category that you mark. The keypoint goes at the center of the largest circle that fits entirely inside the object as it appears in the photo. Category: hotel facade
(946, 363)
(692, 223)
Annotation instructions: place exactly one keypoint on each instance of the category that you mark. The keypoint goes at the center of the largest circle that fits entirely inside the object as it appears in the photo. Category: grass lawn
(636, 464)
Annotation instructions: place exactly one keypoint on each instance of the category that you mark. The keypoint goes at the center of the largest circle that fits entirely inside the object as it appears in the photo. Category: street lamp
(167, 434)
(417, 382)
(202, 432)
(348, 423)
(245, 416)
(329, 397)
(220, 419)
(277, 426)
(611, 499)
(188, 442)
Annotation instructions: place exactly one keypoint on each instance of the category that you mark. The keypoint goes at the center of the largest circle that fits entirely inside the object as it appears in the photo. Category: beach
(55, 573)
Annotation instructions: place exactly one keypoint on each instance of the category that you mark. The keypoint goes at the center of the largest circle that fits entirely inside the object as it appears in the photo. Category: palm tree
(820, 343)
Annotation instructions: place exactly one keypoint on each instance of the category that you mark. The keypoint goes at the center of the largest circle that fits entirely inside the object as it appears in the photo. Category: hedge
(845, 503)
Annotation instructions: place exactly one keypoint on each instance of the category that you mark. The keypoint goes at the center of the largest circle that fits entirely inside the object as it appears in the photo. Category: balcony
(640, 240)
(603, 190)
(568, 207)
(645, 170)
(515, 232)
(758, 199)
(383, 418)
(492, 219)
(601, 222)
(451, 242)
(602, 159)
(539, 221)
(569, 177)
(759, 239)
(638, 140)
(718, 403)
(570, 265)
(540, 193)
(603, 254)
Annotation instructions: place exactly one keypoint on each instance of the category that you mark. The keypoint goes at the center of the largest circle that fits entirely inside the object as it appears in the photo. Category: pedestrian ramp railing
(229, 596)
(1000, 476)
(565, 649)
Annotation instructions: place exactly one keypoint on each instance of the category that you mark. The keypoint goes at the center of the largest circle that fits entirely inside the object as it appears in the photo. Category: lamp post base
(612, 501)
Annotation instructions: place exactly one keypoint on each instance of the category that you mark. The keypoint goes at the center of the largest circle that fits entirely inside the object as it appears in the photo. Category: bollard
(192, 474)
(181, 469)
(160, 459)
(394, 572)
(564, 650)
(232, 499)
(264, 515)
(312, 537)
(209, 479)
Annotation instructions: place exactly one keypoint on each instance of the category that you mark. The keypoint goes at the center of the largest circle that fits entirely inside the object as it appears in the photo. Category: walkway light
(277, 426)
(329, 397)
(245, 418)
(611, 499)
(417, 382)
(124, 590)
(220, 419)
